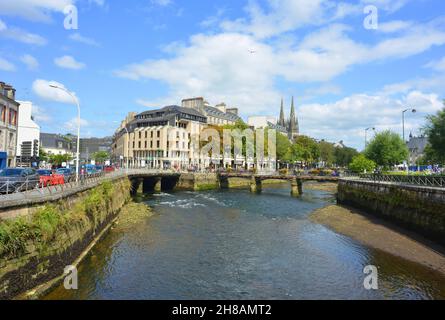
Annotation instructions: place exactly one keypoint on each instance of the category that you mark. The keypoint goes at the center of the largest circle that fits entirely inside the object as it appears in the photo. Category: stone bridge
(256, 180)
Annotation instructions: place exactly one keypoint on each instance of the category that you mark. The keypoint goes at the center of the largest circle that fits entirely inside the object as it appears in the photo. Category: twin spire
(291, 125)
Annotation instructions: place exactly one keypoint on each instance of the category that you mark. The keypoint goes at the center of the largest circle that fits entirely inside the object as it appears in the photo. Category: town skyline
(336, 95)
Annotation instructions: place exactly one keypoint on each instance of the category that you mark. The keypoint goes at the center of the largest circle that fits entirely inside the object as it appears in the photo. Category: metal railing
(427, 181)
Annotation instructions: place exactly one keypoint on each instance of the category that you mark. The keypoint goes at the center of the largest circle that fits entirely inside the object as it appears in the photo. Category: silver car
(18, 180)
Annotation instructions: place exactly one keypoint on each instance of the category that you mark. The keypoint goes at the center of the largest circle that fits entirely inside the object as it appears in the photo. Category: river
(237, 245)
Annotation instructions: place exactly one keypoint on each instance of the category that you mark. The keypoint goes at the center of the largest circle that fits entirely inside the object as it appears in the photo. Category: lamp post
(366, 135)
(78, 125)
(403, 120)
(403, 129)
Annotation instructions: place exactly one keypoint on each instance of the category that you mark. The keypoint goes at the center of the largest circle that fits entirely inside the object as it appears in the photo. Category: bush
(283, 172)
(361, 164)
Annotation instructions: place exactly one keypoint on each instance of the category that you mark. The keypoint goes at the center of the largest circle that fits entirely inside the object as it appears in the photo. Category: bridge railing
(427, 181)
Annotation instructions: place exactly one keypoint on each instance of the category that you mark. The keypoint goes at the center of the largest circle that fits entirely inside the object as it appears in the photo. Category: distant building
(289, 127)
(292, 126)
(28, 136)
(58, 144)
(416, 147)
(9, 109)
(218, 115)
(89, 146)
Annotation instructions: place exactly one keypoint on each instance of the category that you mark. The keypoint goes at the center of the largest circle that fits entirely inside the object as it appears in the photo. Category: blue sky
(141, 54)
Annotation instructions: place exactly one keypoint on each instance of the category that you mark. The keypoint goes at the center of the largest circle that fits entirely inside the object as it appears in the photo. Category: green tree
(283, 146)
(58, 159)
(310, 151)
(43, 155)
(344, 156)
(327, 153)
(361, 164)
(387, 149)
(435, 130)
(101, 156)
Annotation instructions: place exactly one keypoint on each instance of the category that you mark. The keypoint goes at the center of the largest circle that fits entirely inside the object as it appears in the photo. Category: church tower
(293, 129)
(282, 122)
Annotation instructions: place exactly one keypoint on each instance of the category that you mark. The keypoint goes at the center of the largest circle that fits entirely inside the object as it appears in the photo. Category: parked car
(50, 178)
(109, 169)
(67, 173)
(18, 179)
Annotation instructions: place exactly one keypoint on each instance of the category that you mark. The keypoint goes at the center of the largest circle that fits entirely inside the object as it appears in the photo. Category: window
(158, 144)
(151, 144)
(145, 144)
(159, 134)
(3, 109)
(152, 134)
(139, 144)
(146, 135)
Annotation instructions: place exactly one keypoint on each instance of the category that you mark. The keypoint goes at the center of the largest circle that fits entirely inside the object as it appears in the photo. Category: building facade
(58, 144)
(416, 147)
(159, 138)
(218, 115)
(28, 137)
(9, 110)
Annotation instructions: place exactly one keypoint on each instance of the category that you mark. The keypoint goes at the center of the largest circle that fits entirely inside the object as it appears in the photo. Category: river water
(237, 245)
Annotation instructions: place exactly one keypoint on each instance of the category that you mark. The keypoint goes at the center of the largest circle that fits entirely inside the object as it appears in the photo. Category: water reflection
(237, 245)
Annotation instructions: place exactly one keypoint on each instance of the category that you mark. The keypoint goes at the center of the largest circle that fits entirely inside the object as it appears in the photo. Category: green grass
(41, 229)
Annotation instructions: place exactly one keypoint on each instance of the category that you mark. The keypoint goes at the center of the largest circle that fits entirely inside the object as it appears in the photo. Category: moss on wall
(36, 248)
(420, 209)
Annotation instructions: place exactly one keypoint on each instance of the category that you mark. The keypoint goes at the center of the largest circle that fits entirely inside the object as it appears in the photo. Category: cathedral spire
(282, 122)
(293, 122)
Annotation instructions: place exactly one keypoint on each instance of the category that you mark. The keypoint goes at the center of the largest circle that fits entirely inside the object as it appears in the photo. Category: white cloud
(42, 88)
(437, 65)
(5, 65)
(162, 3)
(34, 10)
(346, 119)
(394, 26)
(40, 114)
(71, 125)
(68, 62)
(20, 35)
(30, 61)
(79, 38)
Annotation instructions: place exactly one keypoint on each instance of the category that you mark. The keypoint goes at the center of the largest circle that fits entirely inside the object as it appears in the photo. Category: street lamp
(366, 134)
(403, 120)
(78, 125)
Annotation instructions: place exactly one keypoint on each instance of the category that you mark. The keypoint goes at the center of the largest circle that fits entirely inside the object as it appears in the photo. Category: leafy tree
(344, 156)
(43, 155)
(310, 151)
(327, 153)
(100, 156)
(435, 130)
(58, 159)
(387, 149)
(283, 146)
(361, 164)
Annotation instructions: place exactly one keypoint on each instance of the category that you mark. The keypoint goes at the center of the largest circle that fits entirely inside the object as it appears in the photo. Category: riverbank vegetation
(42, 228)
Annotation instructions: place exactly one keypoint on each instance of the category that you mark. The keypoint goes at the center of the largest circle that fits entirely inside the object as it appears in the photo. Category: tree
(58, 159)
(435, 130)
(43, 155)
(309, 149)
(387, 149)
(327, 153)
(283, 146)
(100, 156)
(344, 156)
(361, 164)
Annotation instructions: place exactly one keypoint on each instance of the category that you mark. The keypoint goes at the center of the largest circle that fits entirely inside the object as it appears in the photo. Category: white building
(28, 136)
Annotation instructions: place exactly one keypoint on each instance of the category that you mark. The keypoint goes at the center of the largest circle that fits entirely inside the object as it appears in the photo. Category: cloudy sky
(141, 54)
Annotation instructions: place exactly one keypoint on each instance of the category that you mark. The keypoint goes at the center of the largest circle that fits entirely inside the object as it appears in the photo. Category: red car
(48, 178)
(109, 169)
